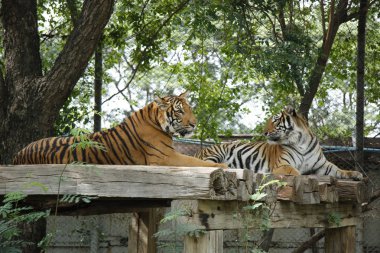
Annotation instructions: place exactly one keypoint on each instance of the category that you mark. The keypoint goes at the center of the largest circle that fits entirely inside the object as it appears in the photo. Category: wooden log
(245, 183)
(357, 191)
(340, 240)
(305, 190)
(210, 215)
(211, 242)
(328, 193)
(152, 182)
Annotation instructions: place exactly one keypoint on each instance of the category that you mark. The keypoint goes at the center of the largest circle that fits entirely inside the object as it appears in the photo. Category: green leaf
(258, 196)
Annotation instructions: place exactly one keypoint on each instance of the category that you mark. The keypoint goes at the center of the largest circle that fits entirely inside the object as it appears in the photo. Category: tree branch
(355, 15)
(336, 18)
(153, 38)
(74, 57)
(309, 243)
(74, 13)
(323, 21)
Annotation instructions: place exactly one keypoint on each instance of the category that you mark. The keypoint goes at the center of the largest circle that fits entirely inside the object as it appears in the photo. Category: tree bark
(74, 13)
(360, 84)
(31, 102)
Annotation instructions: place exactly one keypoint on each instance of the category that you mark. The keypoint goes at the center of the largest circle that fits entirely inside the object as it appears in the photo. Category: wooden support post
(212, 242)
(340, 240)
(141, 230)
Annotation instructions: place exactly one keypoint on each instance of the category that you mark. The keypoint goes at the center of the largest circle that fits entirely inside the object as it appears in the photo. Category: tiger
(291, 148)
(144, 138)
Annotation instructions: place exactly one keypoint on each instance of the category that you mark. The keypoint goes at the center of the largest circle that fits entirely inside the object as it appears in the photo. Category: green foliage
(334, 218)
(175, 214)
(75, 111)
(225, 52)
(83, 141)
(178, 231)
(13, 213)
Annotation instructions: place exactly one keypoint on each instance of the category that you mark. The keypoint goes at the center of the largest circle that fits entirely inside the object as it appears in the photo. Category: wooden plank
(141, 230)
(340, 240)
(209, 215)
(211, 242)
(119, 181)
(138, 233)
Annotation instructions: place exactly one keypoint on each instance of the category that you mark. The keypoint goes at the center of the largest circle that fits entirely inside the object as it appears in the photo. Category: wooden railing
(213, 194)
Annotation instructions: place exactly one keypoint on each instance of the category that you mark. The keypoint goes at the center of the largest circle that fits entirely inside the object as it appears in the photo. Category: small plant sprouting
(259, 210)
(83, 141)
(334, 218)
(179, 230)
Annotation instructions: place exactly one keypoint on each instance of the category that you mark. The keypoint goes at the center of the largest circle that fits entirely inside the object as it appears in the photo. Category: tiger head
(286, 128)
(175, 115)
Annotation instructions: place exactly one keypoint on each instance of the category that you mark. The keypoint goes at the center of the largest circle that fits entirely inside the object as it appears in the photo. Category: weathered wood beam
(314, 189)
(151, 182)
(211, 242)
(95, 207)
(340, 240)
(210, 215)
(246, 184)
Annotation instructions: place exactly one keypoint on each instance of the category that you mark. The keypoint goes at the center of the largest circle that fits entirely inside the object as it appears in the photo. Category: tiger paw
(222, 165)
(355, 175)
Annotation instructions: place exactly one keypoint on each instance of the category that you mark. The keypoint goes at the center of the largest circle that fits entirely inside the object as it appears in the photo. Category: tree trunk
(98, 87)
(360, 84)
(31, 102)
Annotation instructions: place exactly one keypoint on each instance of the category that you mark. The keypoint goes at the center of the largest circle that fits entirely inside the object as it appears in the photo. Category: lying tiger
(291, 149)
(144, 138)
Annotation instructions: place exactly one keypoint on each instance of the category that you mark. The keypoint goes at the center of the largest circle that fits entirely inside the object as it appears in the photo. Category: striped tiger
(144, 138)
(291, 148)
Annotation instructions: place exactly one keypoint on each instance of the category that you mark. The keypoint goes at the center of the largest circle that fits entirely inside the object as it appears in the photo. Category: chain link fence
(287, 240)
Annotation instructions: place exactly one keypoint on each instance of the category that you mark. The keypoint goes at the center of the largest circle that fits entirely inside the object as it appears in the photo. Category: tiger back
(144, 138)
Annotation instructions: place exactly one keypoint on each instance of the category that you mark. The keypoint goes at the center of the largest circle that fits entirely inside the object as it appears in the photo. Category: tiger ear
(162, 104)
(290, 110)
(184, 94)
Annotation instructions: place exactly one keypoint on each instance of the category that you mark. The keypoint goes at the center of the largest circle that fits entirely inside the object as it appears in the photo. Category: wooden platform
(214, 195)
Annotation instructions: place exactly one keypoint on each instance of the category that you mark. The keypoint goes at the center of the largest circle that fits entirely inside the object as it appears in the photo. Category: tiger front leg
(286, 170)
(349, 174)
(331, 169)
